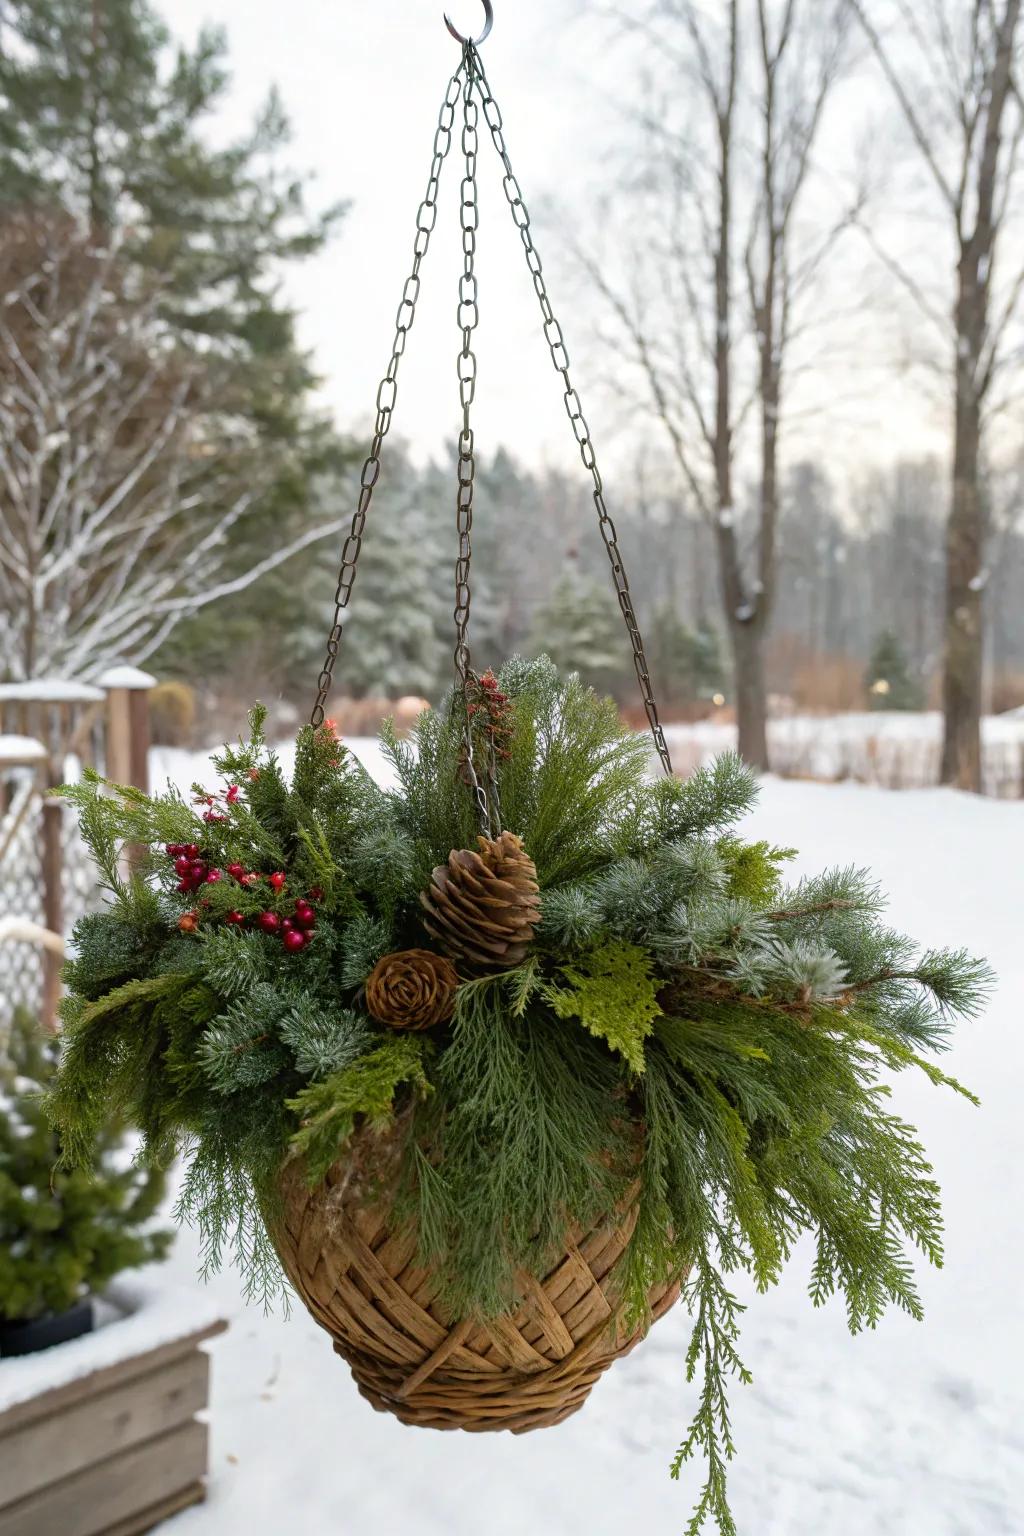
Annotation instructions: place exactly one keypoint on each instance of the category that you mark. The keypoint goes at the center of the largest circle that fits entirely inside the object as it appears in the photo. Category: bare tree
(115, 502)
(967, 126)
(711, 304)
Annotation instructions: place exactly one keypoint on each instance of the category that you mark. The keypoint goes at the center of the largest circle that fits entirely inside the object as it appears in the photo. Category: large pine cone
(483, 907)
(412, 989)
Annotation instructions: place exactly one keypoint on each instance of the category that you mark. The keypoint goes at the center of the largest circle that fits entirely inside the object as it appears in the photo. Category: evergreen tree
(394, 646)
(103, 119)
(888, 681)
(687, 662)
(63, 1232)
(581, 629)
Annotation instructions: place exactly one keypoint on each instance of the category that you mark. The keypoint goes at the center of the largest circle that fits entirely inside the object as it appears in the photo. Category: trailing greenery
(686, 1030)
(64, 1233)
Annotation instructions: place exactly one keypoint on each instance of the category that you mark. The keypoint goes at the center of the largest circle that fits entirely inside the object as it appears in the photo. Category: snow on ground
(182, 769)
(137, 1314)
(915, 1430)
(888, 725)
(898, 748)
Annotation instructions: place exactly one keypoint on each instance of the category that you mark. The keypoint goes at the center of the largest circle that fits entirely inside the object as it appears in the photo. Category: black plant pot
(25, 1337)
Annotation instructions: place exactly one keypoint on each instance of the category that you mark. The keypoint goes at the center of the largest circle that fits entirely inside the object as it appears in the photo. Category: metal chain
(469, 318)
(581, 431)
(426, 218)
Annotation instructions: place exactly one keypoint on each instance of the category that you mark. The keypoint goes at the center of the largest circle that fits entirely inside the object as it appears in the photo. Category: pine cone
(413, 989)
(483, 907)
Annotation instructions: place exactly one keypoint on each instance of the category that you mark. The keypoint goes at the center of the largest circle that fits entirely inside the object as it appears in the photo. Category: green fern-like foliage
(685, 1028)
(613, 994)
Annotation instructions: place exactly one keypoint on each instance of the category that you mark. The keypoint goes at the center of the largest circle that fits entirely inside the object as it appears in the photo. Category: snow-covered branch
(122, 475)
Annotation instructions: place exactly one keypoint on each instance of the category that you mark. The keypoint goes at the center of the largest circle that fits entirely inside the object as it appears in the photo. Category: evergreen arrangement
(618, 997)
(67, 1231)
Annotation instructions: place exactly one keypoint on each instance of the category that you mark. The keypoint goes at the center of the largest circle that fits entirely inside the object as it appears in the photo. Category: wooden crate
(111, 1452)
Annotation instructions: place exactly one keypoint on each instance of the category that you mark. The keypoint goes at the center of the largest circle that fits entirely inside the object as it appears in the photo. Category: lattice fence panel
(82, 893)
(21, 891)
(21, 895)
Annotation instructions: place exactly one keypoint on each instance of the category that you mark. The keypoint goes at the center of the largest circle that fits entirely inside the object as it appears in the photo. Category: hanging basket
(548, 1000)
(358, 1277)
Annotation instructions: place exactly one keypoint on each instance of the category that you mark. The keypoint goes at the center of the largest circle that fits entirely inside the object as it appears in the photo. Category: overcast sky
(362, 81)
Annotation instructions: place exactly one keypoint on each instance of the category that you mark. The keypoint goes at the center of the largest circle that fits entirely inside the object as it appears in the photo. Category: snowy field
(916, 1430)
(900, 749)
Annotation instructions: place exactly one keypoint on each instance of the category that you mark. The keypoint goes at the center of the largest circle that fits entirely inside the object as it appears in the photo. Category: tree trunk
(964, 648)
(965, 537)
(751, 709)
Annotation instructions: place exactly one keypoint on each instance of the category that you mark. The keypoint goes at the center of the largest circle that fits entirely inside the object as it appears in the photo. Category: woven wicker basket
(359, 1280)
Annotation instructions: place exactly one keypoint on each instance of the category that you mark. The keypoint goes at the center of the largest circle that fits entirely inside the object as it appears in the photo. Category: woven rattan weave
(360, 1281)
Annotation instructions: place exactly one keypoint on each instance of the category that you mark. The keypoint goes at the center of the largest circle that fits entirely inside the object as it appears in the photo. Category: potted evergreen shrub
(64, 1232)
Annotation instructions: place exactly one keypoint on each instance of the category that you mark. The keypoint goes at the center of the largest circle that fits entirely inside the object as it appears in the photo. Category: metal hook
(468, 42)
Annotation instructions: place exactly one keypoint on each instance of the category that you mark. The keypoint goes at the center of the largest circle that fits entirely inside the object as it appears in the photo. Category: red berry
(294, 940)
(288, 924)
(183, 886)
(197, 869)
(269, 922)
(248, 879)
(213, 877)
(232, 794)
(236, 871)
(278, 880)
(174, 850)
(182, 866)
(191, 850)
(235, 917)
(315, 893)
(304, 915)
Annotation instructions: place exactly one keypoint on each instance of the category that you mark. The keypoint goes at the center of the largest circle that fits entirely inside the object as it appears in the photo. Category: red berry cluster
(211, 815)
(295, 932)
(194, 871)
(190, 867)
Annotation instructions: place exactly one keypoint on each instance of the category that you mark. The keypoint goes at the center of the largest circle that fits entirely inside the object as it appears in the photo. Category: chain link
(574, 410)
(426, 218)
(468, 82)
(469, 318)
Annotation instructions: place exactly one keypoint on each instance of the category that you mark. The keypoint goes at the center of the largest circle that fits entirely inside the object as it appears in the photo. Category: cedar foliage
(684, 1025)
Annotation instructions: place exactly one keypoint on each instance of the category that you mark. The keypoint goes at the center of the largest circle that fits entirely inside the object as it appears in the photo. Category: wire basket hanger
(469, 87)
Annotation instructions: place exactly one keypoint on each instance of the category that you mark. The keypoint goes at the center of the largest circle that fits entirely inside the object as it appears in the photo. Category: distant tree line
(859, 590)
(169, 492)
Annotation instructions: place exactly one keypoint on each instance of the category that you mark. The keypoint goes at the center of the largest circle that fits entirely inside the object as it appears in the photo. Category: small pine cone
(483, 907)
(413, 989)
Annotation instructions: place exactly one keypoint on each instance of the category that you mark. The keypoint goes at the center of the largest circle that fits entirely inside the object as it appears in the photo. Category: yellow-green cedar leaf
(613, 994)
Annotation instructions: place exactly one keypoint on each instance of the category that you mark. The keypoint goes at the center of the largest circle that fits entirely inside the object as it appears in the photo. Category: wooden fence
(49, 731)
